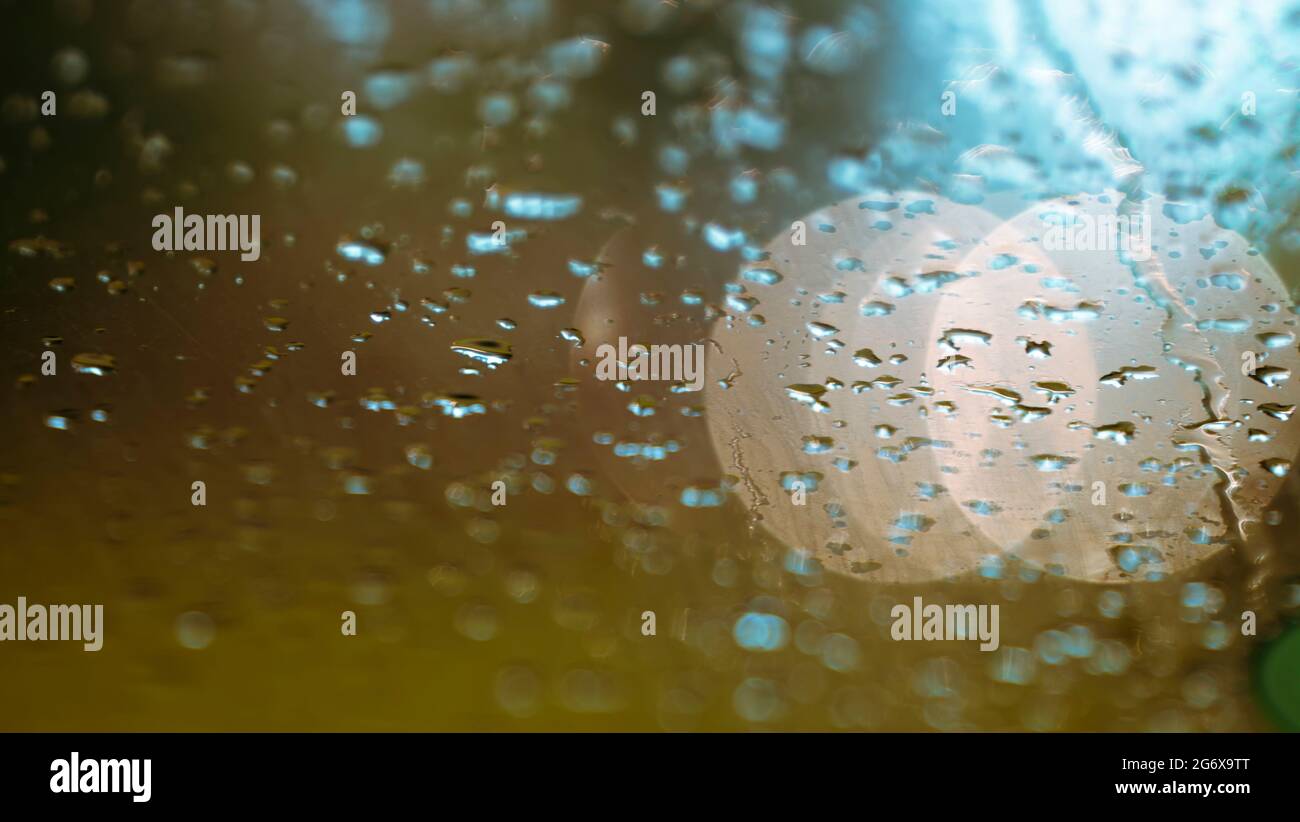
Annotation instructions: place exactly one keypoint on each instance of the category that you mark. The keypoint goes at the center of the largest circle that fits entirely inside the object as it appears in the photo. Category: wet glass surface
(893, 233)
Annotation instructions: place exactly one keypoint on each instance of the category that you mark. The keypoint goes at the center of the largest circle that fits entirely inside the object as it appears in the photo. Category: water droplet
(99, 365)
(546, 299)
(486, 350)
(363, 251)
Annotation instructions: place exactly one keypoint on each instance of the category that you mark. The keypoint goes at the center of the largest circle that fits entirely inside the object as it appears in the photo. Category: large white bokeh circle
(994, 435)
